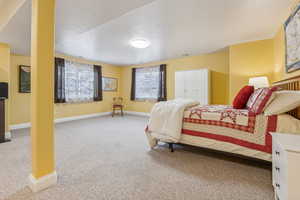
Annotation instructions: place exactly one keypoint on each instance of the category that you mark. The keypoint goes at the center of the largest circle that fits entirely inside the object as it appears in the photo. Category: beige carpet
(108, 158)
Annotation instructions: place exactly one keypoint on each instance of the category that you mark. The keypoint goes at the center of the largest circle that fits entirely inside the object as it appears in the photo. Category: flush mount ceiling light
(139, 43)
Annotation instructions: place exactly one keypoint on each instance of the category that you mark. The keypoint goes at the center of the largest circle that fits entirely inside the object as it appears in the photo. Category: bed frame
(290, 84)
(286, 84)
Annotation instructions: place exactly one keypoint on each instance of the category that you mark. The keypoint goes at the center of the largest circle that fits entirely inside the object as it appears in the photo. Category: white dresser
(286, 166)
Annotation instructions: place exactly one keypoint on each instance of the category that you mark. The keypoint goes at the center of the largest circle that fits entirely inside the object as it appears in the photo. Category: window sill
(78, 102)
(146, 100)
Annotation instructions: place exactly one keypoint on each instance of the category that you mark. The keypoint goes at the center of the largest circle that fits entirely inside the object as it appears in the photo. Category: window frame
(155, 99)
(61, 79)
(75, 72)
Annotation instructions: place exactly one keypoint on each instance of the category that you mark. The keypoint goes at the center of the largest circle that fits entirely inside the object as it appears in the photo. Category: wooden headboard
(290, 84)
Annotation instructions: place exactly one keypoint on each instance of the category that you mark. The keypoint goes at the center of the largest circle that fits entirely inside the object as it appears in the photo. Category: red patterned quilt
(226, 124)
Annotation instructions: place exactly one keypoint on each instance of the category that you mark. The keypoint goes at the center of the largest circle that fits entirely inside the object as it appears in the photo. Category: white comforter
(165, 121)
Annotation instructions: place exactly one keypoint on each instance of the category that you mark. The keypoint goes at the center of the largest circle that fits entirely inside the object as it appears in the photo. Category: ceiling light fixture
(140, 43)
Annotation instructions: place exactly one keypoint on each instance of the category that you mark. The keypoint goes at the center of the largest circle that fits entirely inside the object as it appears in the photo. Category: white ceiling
(100, 30)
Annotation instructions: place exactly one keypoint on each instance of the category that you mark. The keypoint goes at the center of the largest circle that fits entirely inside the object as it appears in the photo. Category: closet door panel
(204, 87)
(193, 84)
(179, 85)
(188, 84)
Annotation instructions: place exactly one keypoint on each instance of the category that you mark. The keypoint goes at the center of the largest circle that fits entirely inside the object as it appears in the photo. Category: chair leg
(122, 114)
(113, 113)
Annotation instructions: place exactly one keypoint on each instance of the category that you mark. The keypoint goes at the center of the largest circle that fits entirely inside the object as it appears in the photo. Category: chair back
(117, 101)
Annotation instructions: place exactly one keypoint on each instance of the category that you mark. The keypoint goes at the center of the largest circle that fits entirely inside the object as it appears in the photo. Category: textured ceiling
(101, 30)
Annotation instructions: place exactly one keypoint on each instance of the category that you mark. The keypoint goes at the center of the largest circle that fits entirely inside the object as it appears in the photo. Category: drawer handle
(277, 185)
(277, 152)
(277, 169)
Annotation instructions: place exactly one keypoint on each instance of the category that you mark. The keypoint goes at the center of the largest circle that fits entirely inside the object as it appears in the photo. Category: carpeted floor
(108, 158)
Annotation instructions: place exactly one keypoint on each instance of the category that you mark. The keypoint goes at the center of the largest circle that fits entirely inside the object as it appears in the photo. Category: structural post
(5, 77)
(42, 88)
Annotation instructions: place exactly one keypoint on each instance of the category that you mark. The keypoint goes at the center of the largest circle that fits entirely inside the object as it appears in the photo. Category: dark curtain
(59, 93)
(162, 90)
(98, 96)
(132, 96)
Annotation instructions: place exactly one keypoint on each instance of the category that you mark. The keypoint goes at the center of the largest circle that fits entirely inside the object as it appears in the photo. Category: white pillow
(284, 101)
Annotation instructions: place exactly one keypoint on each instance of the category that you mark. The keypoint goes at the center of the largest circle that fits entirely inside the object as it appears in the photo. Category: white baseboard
(19, 126)
(144, 114)
(42, 183)
(67, 119)
(60, 120)
(8, 135)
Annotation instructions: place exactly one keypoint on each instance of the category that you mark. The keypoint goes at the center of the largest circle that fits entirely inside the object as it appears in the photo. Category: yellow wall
(20, 102)
(279, 57)
(20, 109)
(256, 57)
(231, 69)
(68, 110)
(217, 62)
(4, 76)
(249, 60)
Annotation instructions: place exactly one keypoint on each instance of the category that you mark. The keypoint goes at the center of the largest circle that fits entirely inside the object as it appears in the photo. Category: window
(77, 82)
(149, 83)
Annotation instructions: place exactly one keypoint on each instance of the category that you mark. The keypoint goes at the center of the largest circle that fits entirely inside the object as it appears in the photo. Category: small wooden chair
(117, 105)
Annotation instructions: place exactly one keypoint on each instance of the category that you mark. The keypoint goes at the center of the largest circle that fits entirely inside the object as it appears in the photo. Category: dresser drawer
(279, 170)
(275, 173)
(280, 183)
(278, 154)
(286, 165)
(279, 173)
(281, 193)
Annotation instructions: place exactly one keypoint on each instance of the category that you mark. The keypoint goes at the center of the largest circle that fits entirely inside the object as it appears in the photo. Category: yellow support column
(4, 77)
(42, 103)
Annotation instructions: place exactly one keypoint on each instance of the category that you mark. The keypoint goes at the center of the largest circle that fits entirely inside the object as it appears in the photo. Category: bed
(238, 131)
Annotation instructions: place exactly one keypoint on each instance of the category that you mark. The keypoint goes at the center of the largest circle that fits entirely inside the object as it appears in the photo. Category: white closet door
(179, 85)
(204, 87)
(193, 84)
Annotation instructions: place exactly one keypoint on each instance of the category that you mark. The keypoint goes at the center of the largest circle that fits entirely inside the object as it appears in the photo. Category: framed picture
(292, 41)
(109, 84)
(24, 79)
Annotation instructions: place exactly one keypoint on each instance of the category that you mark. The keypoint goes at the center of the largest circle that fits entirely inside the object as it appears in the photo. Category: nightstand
(286, 166)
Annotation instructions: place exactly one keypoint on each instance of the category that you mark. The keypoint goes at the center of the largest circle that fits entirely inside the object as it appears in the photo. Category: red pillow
(242, 97)
(259, 99)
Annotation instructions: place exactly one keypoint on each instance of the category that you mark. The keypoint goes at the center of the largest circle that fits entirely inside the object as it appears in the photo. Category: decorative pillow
(284, 101)
(259, 99)
(242, 97)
